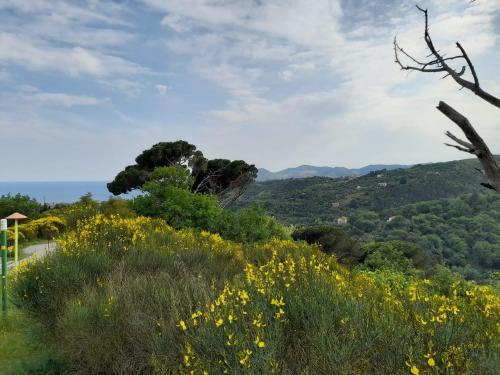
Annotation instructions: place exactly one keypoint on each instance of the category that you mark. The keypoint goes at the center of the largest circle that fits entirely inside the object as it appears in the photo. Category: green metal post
(3, 229)
(16, 243)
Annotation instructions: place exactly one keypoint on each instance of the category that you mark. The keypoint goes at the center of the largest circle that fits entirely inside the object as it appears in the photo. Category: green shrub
(46, 227)
(50, 282)
(84, 209)
(19, 203)
(179, 208)
(135, 296)
(398, 256)
(332, 240)
(249, 225)
(117, 206)
(132, 319)
(168, 196)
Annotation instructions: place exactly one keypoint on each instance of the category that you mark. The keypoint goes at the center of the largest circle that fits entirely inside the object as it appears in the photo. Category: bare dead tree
(436, 62)
(235, 190)
(229, 194)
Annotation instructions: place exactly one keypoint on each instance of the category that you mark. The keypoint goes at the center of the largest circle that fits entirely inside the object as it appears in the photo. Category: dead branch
(436, 63)
(475, 146)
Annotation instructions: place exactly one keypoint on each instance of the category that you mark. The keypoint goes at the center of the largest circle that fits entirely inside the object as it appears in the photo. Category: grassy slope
(22, 351)
(312, 200)
(154, 299)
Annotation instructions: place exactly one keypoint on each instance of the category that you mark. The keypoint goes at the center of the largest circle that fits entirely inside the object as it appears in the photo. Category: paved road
(37, 251)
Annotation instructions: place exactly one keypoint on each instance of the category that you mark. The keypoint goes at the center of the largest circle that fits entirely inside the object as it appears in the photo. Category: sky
(86, 85)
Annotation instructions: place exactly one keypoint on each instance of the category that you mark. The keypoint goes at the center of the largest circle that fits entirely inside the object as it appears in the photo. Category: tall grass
(23, 347)
(125, 296)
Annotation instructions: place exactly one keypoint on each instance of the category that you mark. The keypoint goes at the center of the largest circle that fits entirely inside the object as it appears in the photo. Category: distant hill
(322, 200)
(305, 171)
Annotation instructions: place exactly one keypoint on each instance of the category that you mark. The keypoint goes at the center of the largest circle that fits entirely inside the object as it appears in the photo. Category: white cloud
(175, 22)
(124, 86)
(64, 100)
(4, 76)
(298, 21)
(15, 49)
(370, 111)
(94, 11)
(286, 81)
(162, 89)
(28, 88)
(238, 81)
(287, 75)
(67, 37)
(91, 151)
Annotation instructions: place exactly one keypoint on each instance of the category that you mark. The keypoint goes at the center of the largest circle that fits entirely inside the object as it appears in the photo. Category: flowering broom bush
(135, 296)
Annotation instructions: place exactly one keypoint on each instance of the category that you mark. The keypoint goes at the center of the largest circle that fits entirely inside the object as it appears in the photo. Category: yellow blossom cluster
(282, 286)
(107, 233)
(248, 312)
(101, 233)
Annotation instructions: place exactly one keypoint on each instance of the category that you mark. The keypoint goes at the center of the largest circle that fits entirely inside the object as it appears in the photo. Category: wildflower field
(134, 296)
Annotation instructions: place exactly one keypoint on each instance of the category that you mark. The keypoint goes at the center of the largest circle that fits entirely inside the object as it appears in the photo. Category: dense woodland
(439, 206)
(322, 200)
(462, 233)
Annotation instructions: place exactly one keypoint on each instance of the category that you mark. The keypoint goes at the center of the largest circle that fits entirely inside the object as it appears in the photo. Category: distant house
(342, 220)
(382, 184)
(391, 219)
(380, 175)
(335, 204)
(358, 187)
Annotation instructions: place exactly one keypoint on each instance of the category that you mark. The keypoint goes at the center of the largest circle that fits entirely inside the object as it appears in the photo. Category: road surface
(38, 251)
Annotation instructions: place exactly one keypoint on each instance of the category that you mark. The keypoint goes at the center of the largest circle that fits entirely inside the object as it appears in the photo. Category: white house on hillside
(342, 220)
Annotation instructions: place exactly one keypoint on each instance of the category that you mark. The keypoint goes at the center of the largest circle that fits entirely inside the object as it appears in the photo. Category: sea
(51, 192)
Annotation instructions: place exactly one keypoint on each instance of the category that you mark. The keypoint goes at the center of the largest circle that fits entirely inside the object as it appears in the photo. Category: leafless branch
(459, 141)
(439, 63)
(234, 191)
(476, 145)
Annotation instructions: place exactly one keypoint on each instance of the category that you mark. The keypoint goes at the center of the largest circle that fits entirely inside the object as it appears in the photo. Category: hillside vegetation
(322, 200)
(133, 295)
(303, 171)
(461, 233)
(440, 207)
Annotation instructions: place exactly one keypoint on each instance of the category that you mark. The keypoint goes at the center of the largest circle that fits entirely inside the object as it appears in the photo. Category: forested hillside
(440, 207)
(323, 200)
(304, 171)
(462, 233)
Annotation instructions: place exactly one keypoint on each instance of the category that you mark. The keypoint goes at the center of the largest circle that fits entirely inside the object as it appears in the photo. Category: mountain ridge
(305, 171)
(315, 200)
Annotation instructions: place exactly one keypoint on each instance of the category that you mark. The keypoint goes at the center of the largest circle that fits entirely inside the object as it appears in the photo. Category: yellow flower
(258, 321)
(219, 322)
(182, 325)
(229, 341)
(431, 362)
(277, 302)
(245, 357)
(243, 295)
(280, 313)
(259, 342)
(414, 370)
(196, 314)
